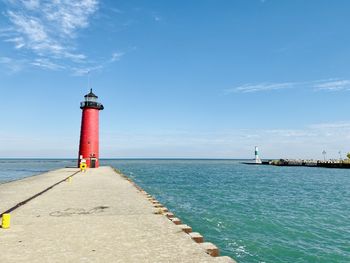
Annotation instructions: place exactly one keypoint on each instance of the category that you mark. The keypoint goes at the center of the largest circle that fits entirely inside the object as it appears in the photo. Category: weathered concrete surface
(14, 192)
(98, 217)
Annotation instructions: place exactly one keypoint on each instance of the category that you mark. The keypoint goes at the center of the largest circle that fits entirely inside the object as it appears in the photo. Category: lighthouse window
(91, 99)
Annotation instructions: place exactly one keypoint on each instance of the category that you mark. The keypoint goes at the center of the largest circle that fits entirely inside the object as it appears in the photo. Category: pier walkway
(97, 217)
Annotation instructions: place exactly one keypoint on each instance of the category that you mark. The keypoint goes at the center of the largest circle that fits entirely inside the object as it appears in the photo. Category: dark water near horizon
(253, 213)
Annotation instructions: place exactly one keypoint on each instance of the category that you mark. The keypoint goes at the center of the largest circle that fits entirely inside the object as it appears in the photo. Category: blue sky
(177, 78)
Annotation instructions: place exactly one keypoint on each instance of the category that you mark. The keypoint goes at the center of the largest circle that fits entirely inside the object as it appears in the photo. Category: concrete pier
(98, 216)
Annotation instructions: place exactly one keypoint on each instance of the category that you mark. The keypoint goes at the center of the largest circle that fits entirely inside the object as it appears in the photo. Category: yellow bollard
(83, 167)
(6, 219)
(69, 180)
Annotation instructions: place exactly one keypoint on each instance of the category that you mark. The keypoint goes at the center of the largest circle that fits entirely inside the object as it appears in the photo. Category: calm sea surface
(253, 213)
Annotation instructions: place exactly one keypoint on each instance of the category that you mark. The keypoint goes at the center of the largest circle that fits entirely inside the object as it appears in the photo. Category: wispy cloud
(334, 125)
(247, 88)
(116, 56)
(31, 4)
(325, 85)
(47, 28)
(45, 33)
(85, 69)
(82, 71)
(46, 64)
(335, 85)
(12, 65)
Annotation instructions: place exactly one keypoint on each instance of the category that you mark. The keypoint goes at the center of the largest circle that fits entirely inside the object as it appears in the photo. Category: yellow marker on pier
(69, 179)
(83, 167)
(6, 220)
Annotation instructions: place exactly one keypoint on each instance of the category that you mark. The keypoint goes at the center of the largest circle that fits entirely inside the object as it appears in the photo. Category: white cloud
(86, 69)
(48, 28)
(46, 64)
(18, 41)
(30, 30)
(116, 56)
(12, 65)
(247, 88)
(335, 85)
(334, 125)
(82, 71)
(318, 85)
(31, 4)
(68, 16)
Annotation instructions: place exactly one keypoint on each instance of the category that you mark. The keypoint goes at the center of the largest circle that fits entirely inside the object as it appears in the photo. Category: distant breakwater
(343, 164)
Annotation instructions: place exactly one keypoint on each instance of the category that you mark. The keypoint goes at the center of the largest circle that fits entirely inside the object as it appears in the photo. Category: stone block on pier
(164, 209)
(196, 237)
(187, 229)
(169, 215)
(210, 249)
(176, 221)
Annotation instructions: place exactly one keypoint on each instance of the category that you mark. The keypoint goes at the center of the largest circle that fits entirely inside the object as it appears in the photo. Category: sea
(252, 213)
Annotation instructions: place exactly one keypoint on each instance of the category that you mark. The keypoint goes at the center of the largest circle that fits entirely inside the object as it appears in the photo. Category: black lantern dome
(91, 102)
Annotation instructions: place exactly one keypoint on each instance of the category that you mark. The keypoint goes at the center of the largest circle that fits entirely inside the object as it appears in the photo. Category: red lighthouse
(89, 141)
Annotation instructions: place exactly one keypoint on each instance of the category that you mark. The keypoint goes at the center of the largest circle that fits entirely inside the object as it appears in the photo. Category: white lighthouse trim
(257, 158)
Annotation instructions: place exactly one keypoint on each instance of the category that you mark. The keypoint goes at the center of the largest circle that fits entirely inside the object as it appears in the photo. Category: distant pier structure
(257, 158)
(89, 134)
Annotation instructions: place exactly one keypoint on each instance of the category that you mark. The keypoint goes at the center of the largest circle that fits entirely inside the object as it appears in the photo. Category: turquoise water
(253, 213)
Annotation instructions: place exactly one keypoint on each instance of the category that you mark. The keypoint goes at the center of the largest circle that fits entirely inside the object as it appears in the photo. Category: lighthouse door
(93, 163)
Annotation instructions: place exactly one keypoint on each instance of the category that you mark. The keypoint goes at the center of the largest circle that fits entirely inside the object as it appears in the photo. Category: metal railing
(91, 104)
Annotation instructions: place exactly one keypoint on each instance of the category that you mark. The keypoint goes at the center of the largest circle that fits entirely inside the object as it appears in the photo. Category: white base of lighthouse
(258, 160)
